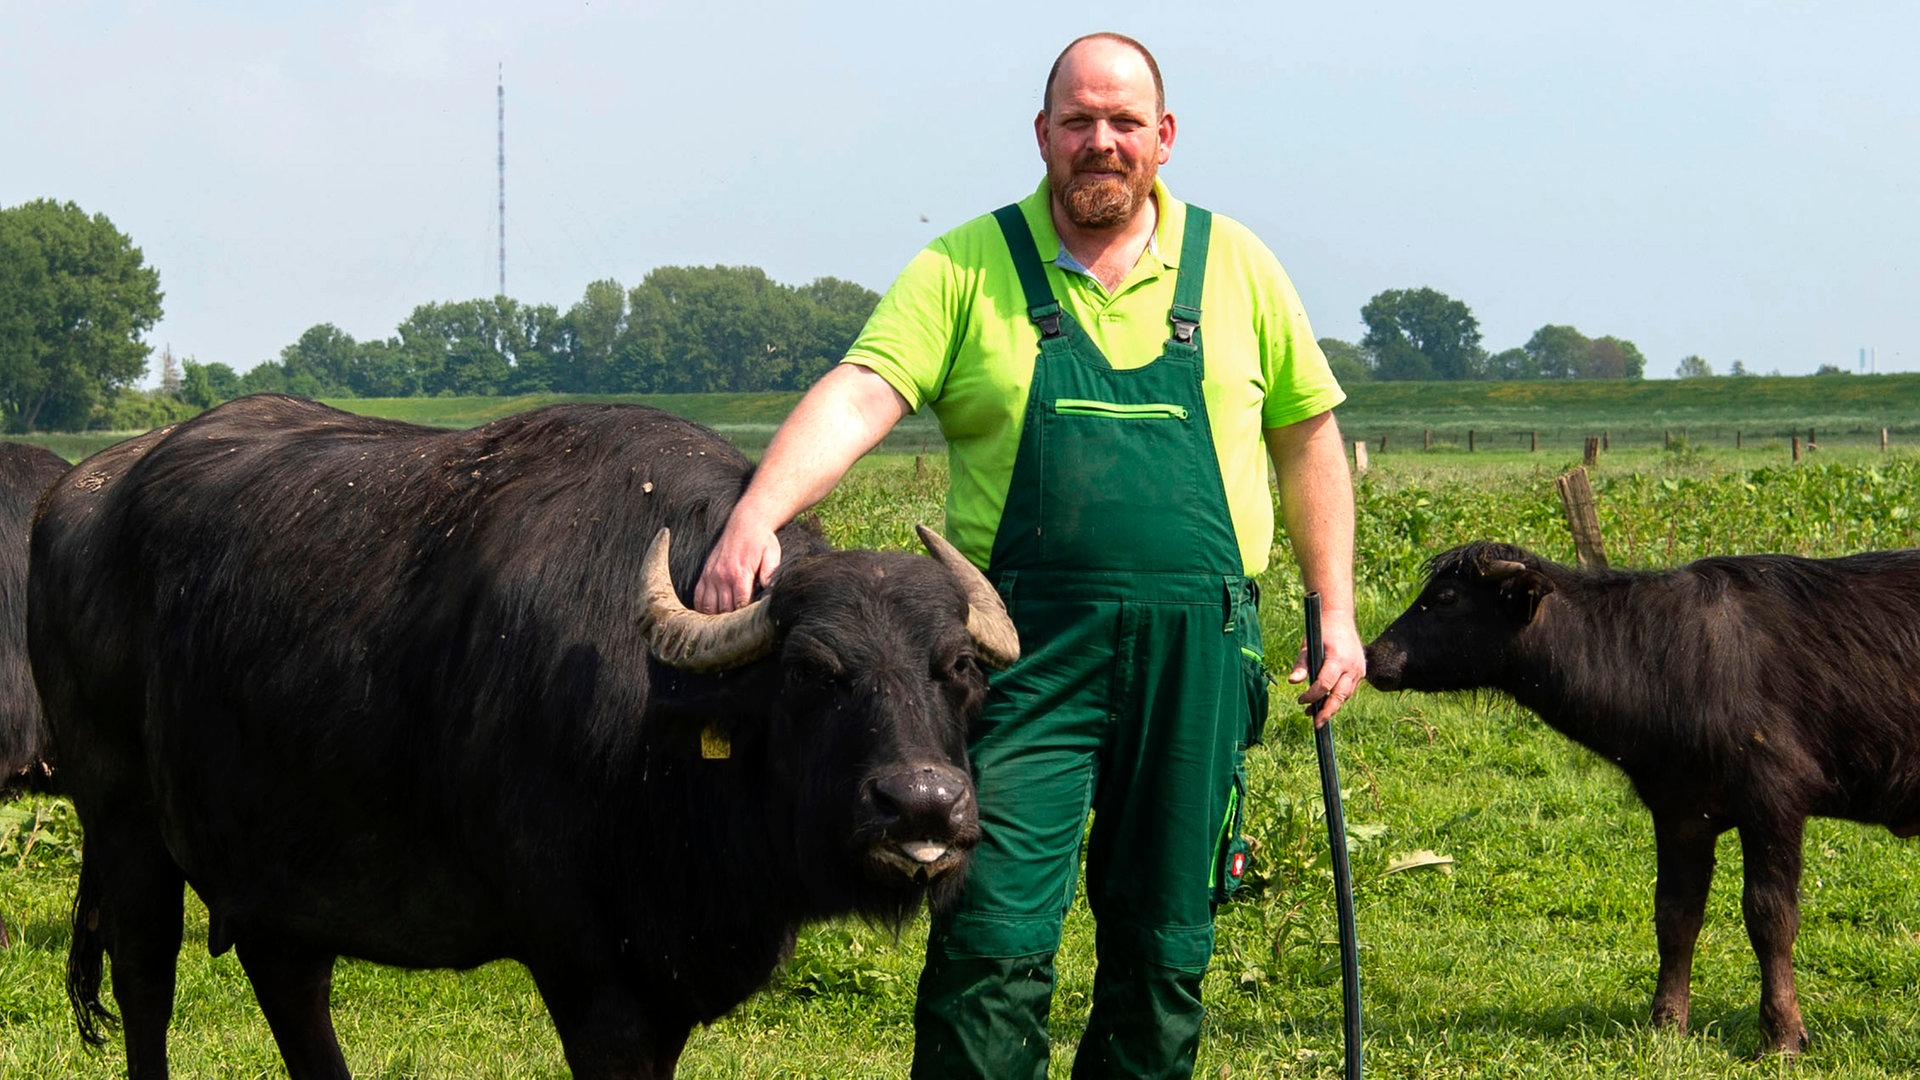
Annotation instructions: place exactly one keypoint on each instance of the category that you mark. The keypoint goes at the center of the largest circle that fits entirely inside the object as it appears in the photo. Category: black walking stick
(1337, 841)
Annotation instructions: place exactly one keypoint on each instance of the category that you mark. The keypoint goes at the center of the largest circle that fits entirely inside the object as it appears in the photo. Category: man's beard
(1103, 204)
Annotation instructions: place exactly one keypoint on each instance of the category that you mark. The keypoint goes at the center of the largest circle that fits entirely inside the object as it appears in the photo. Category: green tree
(205, 385)
(830, 315)
(1693, 367)
(594, 328)
(383, 369)
(1558, 352)
(265, 377)
(1513, 363)
(140, 410)
(718, 328)
(1561, 352)
(1348, 361)
(1614, 358)
(75, 298)
(1420, 334)
(321, 362)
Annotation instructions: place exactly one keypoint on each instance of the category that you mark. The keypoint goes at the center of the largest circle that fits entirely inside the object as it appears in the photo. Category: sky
(1736, 180)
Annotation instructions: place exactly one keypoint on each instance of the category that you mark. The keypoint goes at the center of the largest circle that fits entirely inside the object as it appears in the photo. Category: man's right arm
(843, 416)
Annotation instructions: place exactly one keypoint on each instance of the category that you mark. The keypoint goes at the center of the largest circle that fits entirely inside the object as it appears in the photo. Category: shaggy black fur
(25, 474)
(379, 690)
(25, 757)
(1742, 692)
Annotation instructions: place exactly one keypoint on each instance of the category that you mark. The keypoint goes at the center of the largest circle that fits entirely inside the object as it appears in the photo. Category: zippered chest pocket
(1118, 411)
(1119, 483)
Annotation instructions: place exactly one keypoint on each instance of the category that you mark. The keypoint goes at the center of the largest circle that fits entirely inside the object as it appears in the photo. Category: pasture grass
(1529, 953)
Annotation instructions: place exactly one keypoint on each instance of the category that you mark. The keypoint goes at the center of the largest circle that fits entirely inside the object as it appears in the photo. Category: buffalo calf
(1745, 692)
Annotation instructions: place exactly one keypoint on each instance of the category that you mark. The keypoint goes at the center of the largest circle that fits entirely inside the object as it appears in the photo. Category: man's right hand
(842, 416)
(745, 555)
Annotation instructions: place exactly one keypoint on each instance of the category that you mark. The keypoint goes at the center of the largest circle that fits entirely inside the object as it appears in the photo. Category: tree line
(1425, 335)
(682, 329)
(76, 296)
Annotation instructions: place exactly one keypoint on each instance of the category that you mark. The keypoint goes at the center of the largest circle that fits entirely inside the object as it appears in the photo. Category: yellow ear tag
(714, 744)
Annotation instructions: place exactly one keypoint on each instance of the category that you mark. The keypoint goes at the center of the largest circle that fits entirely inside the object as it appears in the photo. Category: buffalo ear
(1518, 579)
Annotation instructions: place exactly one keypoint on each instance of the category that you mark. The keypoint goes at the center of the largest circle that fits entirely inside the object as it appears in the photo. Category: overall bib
(1137, 692)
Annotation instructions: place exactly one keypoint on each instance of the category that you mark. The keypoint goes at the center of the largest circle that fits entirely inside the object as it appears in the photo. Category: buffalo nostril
(929, 798)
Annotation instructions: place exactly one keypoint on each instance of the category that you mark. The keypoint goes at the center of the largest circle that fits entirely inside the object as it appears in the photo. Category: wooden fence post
(1796, 448)
(1383, 444)
(1592, 455)
(1360, 457)
(1533, 442)
(1469, 440)
(1576, 496)
(1606, 441)
(1426, 439)
(1883, 440)
(1736, 440)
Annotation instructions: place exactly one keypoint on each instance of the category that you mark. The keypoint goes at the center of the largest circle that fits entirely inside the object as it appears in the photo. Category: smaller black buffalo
(1744, 692)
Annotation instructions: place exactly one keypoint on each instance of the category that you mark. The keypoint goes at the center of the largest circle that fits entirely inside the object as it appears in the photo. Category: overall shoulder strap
(1042, 308)
(1191, 283)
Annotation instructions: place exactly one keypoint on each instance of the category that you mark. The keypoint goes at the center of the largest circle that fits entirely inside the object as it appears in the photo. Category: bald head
(1104, 49)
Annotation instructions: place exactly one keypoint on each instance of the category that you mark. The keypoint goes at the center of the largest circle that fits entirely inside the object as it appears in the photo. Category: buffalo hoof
(1786, 1044)
(1670, 1015)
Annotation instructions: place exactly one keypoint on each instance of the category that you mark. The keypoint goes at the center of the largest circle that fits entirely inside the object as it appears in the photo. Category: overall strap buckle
(1047, 317)
(1185, 321)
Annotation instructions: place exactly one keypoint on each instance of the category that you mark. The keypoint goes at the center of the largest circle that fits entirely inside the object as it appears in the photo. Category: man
(1107, 364)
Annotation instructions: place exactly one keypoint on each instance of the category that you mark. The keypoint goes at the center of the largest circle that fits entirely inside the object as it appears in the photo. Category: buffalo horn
(987, 618)
(690, 640)
(1502, 569)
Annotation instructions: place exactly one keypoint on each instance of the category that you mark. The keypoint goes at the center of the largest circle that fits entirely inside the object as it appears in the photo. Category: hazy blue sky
(1737, 180)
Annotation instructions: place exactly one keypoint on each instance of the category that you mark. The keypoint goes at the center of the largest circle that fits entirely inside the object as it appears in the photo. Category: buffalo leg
(1684, 843)
(608, 1032)
(138, 909)
(1771, 903)
(293, 986)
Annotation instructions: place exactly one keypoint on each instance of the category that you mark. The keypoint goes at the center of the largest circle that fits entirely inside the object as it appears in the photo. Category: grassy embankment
(1530, 955)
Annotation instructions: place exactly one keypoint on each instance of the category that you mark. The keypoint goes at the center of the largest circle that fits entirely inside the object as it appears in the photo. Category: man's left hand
(1340, 674)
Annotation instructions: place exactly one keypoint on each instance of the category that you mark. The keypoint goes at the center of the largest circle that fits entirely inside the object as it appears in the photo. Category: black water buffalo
(25, 766)
(391, 692)
(25, 474)
(1745, 692)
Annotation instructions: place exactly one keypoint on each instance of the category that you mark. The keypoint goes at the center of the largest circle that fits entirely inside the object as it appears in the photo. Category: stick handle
(1337, 845)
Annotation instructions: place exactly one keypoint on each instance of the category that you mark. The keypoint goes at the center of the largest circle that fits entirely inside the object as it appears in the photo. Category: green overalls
(1138, 689)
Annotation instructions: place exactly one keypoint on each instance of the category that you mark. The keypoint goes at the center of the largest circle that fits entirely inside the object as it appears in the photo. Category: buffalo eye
(1444, 596)
(812, 662)
(961, 667)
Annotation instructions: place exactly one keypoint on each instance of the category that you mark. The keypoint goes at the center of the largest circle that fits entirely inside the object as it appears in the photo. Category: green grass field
(1529, 954)
(1760, 414)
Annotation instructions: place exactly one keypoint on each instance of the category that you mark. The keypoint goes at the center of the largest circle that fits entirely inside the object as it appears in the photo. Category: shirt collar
(1166, 232)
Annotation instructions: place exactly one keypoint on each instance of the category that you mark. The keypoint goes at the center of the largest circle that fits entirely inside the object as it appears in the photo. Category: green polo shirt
(952, 331)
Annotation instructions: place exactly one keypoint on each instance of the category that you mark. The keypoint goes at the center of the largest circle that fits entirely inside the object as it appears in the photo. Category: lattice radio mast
(500, 98)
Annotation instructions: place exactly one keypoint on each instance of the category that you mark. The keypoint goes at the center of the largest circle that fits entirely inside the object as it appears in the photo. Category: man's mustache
(1100, 163)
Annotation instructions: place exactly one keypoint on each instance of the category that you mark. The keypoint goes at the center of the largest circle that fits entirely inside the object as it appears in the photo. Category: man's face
(1104, 138)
